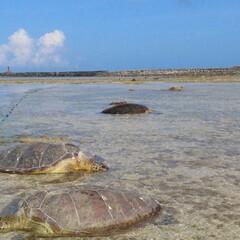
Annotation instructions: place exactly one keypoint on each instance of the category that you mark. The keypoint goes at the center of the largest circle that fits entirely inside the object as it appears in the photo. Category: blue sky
(70, 35)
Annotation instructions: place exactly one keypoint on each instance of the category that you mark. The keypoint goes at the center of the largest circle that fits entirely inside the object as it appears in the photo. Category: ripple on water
(187, 157)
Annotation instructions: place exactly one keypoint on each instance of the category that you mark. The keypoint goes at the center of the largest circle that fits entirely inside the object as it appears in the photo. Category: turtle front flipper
(88, 164)
(14, 222)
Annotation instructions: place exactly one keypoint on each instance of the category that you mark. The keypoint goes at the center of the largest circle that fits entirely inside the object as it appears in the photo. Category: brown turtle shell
(37, 156)
(127, 108)
(88, 211)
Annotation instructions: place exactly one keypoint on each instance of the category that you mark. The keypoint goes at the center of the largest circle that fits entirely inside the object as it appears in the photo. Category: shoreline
(213, 75)
(123, 80)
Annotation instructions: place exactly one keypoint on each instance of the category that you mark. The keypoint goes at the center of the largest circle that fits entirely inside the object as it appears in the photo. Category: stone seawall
(179, 72)
(132, 73)
(54, 74)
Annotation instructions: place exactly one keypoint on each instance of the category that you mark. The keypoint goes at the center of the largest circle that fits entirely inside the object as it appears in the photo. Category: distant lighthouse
(8, 69)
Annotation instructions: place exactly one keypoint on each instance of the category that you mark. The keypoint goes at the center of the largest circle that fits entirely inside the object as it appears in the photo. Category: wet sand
(125, 80)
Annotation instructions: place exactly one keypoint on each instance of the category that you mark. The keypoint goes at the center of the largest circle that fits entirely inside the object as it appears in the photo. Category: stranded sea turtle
(127, 108)
(176, 88)
(80, 211)
(117, 102)
(43, 157)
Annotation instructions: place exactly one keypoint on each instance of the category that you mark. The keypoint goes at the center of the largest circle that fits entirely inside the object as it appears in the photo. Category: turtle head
(88, 164)
(97, 166)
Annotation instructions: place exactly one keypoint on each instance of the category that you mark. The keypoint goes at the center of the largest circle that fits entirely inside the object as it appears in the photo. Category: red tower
(8, 69)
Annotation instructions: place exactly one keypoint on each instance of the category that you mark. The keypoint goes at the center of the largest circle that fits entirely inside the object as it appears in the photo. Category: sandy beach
(207, 75)
(125, 80)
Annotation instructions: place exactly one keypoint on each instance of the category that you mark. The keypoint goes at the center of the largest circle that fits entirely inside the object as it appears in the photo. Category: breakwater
(54, 74)
(179, 72)
(132, 73)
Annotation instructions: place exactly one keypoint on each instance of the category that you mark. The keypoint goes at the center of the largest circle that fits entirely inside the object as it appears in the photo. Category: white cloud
(22, 50)
(55, 38)
(3, 53)
(20, 47)
(48, 47)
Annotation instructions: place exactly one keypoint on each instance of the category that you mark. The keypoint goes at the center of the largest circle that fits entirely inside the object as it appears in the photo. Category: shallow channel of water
(185, 154)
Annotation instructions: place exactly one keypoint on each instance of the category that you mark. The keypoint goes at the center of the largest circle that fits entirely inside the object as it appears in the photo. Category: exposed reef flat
(179, 72)
(130, 76)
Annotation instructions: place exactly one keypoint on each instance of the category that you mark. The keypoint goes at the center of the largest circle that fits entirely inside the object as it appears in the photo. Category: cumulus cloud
(22, 50)
(55, 38)
(48, 47)
(20, 47)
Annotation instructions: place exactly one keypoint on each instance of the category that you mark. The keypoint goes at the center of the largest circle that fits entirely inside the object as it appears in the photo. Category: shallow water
(186, 154)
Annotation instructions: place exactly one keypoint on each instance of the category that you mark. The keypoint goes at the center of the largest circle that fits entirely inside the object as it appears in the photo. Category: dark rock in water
(176, 88)
(127, 108)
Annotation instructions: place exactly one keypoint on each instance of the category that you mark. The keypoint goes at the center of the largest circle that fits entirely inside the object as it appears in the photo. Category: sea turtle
(176, 88)
(117, 102)
(127, 108)
(80, 211)
(46, 157)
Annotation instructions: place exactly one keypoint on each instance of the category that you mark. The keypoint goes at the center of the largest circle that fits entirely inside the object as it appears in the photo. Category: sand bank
(125, 80)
